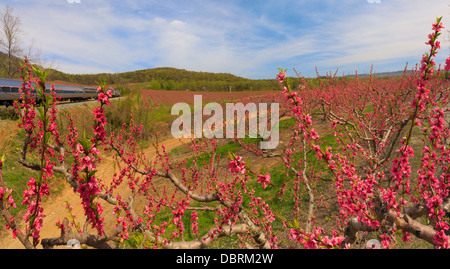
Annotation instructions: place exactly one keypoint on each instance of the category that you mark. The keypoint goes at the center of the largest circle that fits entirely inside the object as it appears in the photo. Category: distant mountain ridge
(392, 73)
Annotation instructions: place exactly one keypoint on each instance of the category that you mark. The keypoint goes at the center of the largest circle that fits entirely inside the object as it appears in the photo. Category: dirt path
(54, 207)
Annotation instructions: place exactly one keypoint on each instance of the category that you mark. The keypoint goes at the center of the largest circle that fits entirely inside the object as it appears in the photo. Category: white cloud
(74, 1)
(221, 37)
(386, 32)
(80, 40)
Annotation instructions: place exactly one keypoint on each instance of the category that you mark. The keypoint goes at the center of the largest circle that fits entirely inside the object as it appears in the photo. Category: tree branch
(85, 238)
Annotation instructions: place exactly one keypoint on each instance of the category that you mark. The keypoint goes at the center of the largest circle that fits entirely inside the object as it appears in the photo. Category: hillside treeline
(171, 79)
(165, 78)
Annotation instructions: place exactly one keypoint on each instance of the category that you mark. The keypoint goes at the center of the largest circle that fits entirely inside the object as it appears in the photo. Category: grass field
(172, 97)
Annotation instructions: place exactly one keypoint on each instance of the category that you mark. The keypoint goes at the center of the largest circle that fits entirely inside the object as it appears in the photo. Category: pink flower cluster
(316, 239)
(264, 179)
(262, 215)
(34, 215)
(99, 115)
(355, 192)
(194, 226)
(87, 162)
(178, 213)
(126, 221)
(281, 77)
(5, 192)
(401, 173)
(121, 221)
(447, 64)
(434, 188)
(88, 188)
(237, 165)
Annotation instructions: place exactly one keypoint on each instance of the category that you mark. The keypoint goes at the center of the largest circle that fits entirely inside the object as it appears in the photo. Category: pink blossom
(264, 179)
(437, 44)
(314, 134)
(318, 151)
(447, 64)
(95, 151)
(281, 77)
(87, 162)
(294, 234)
(194, 227)
(99, 115)
(103, 98)
(237, 165)
(437, 27)
(122, 222)
(80, 148)
(99, 131)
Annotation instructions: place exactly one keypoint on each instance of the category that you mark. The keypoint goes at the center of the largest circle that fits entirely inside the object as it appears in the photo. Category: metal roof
(10, 82)
(18, 83)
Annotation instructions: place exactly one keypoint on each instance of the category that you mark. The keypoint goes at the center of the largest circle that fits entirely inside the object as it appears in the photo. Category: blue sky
(248, 38)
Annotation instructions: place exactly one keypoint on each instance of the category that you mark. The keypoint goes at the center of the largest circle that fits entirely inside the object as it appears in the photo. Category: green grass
(230, 147)
(203, 158)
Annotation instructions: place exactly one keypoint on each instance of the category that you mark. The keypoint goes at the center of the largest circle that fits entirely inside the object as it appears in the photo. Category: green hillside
(167, 78)
(161, 78)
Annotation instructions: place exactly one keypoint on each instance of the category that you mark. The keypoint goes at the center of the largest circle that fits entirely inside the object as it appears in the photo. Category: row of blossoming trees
(377, 189)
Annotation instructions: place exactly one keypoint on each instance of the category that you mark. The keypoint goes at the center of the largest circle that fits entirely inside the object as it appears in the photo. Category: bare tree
(33, 53)
(10, 41)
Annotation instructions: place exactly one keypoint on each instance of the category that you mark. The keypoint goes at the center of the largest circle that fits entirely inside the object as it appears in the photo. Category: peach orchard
(378, 190)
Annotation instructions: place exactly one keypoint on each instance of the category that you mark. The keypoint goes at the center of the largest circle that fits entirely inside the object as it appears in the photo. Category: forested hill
(160, 73)
(161, 78)
(167, 78)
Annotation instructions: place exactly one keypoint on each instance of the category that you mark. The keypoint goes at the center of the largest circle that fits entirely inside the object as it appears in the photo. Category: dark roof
(18, 83)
